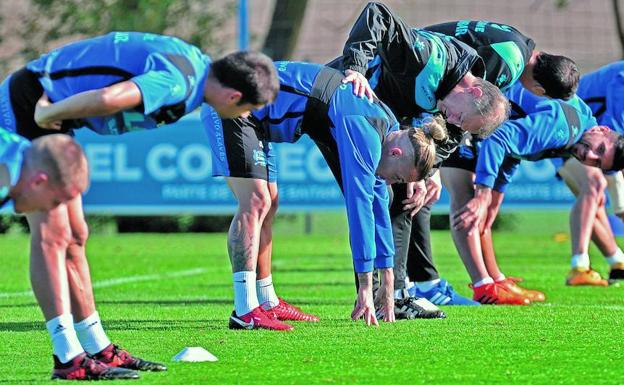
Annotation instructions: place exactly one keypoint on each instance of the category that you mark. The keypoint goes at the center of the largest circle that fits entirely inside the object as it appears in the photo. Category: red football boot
(112, 355)
(491, 294)
(287, 312)
(257, 319)
(82, 367)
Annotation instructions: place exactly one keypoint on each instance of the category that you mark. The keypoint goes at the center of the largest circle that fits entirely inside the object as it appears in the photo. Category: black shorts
(240, 150)
(25, 91)
(465, 157)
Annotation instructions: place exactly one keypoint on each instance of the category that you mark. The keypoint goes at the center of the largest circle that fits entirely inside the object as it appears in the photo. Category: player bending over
(112, 84)
(362, 144)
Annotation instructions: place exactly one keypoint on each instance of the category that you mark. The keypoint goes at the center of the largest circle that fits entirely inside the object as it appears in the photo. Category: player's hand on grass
(471, 217)
(434, 189)
(41, 109)
(384, 299)
(361, 86)
(364, 306)
(416, 193)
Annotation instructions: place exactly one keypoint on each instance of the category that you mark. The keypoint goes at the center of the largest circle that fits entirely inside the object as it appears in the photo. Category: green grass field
(160, 293)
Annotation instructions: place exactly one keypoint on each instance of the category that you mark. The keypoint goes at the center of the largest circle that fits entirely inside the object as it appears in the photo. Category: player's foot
(442, 294)
(585, 277)
(287, 312)
(112, 355)
(617, 273)
(82, 367)
(492, 294)
(257, 319)
(412, 308)
(511, 285)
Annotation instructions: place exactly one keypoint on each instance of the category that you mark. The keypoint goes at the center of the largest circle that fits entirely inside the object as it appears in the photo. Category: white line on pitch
(123, 280)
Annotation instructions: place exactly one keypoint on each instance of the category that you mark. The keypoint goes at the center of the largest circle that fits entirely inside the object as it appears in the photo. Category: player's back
(505, 50)
(283, 119)
(101, 61)
(603, 91)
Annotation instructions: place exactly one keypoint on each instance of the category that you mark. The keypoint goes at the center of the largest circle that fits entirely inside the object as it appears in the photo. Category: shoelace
(122, 354)
(94, 366)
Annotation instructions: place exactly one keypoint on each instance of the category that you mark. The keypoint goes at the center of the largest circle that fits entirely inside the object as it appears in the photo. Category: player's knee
(259, 204)
(596, 186)
(80, 234)
(57, 238)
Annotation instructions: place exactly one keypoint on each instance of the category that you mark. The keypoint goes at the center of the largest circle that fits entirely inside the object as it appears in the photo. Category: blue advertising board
(168, 170)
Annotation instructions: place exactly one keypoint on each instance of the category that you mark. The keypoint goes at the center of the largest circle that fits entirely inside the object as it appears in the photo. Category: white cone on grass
(195, 354)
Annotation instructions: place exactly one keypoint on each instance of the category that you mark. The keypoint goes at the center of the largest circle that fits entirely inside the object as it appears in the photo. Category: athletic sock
(618, 257)
(580, 261)
(91, 334)
(245, 297)
(427, 285)
(500, 278)
(266, 293)
(65, 343)
(484, 281)
(399, 294)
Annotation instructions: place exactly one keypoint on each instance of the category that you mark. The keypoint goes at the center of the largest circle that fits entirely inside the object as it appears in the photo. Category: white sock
(410, 285)
(500, 278)
(427, 285)
(618, 257)
(65, 344)
(484, 281)
(245, 297)
(266, 292)
(398, 294)
(580, 261)
(91, 334)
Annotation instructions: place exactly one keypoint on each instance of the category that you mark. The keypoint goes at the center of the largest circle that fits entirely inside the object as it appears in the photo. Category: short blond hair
(62, 159)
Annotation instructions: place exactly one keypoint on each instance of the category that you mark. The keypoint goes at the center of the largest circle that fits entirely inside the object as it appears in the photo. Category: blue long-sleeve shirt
(169, 72)
(603, 91)
(353, 133)
(543, 128)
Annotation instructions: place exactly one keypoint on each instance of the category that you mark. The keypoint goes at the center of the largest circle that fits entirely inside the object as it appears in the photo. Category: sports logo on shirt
(259, 158)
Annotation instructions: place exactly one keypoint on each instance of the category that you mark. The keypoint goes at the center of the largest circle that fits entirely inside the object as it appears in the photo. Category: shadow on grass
(126, 325)
(312, 269)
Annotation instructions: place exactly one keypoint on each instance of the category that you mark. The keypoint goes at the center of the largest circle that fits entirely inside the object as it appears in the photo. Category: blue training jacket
(603, 91)
(358, 144)
(542, 128)
(169, 72)
(12, 147)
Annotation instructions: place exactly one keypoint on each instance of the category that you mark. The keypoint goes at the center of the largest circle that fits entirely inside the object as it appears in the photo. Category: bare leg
(50, 234)
(254, 203)
(489, 256)
(78, 273)
(588, 185)
(602, 235)
(459, 183)
(266, 236)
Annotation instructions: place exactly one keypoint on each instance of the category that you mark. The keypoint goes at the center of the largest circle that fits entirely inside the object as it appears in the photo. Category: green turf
(572, 339)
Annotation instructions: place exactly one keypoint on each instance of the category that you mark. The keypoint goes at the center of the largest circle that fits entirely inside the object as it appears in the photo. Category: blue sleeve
(383, 227)
(162, 84)
(540, 131)
(614, 116)
(359, 151)
(506, 172)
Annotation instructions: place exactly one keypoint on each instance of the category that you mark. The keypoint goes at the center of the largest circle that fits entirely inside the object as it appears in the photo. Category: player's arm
(359, 152)
(99, 102)
(492, 153)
